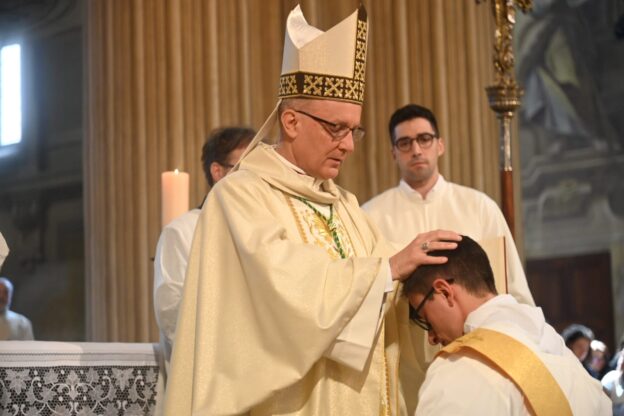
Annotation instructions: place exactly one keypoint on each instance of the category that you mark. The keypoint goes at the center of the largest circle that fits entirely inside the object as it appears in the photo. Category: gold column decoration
(505, 95)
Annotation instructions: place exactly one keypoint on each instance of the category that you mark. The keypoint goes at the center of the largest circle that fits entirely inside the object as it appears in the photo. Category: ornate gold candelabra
(505, 95)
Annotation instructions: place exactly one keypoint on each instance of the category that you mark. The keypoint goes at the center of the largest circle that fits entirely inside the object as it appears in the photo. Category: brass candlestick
(505, 95)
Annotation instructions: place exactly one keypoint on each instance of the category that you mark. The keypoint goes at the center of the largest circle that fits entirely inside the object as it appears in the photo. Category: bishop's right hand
(403, 263)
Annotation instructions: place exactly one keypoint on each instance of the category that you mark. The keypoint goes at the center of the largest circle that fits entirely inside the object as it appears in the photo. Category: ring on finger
(425, 246)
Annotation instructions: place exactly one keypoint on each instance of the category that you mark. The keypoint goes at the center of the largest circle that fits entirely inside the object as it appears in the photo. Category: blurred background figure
(613, 365)
(221, 151)
(4, 250)
(13, 326)
(597, 359)
(613, 385)
(578, 338)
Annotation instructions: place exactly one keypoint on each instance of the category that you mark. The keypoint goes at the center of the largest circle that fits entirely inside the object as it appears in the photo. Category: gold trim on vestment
(297, 219)
(385, 401)
(518, 363)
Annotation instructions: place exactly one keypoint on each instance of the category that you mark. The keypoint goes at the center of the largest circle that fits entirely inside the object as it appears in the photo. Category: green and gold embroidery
(329, 222)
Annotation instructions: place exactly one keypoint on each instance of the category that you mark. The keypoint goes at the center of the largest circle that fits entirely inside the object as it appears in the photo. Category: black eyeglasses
(414, 313)
(424, 140)
(336, 131)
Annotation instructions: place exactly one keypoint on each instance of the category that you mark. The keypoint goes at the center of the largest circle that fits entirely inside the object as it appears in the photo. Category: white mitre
(328, 65)
(323, 65)
(4, 250)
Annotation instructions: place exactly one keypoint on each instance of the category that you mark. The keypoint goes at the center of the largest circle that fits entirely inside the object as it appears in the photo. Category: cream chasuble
(273, 319)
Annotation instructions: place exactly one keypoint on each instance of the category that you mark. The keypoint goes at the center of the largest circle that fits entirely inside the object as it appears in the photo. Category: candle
(175, 195)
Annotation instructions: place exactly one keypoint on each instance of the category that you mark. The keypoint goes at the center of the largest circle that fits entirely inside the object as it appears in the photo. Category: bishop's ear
(289, 121)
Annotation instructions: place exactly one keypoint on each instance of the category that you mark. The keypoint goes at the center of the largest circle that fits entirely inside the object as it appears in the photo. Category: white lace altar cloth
(83, 379)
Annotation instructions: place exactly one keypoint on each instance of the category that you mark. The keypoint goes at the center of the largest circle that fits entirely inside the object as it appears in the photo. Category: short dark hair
(220, 143)
(575, 332)
(409, 112)
(467, 265)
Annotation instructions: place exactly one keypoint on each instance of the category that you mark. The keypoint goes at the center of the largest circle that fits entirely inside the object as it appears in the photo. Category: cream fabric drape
(163, 73)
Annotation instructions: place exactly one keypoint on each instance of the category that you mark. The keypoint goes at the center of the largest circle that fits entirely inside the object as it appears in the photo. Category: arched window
(10, 95)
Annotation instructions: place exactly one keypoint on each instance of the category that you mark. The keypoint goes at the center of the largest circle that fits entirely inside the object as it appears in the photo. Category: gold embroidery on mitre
(313, 84)
(288, 85)
(334, 87)
(351, 90)
(360, 51)
(359, 71)
(362, 28)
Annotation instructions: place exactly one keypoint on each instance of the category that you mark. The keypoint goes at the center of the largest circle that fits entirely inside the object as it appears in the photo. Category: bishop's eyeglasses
(424, 140)
(335, 130)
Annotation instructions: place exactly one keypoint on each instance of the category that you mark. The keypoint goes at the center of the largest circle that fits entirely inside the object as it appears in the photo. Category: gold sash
(518, 363)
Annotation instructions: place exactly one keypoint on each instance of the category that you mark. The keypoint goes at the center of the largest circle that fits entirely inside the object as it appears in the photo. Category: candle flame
(176, 171)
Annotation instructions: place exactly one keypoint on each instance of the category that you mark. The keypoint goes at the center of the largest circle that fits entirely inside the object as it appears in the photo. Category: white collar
(433, 192)
(316, 183)
(476, 318)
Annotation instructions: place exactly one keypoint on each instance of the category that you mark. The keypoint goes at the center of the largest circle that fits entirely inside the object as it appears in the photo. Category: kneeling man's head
(441, 296)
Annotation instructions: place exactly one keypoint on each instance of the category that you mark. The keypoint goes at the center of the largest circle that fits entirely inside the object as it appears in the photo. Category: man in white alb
(425, 201)
(500, 357)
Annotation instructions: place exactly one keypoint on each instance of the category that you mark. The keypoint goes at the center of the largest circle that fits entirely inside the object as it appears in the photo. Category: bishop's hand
(403, 263)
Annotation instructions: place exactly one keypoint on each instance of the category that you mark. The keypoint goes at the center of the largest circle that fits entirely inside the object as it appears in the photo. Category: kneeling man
(499, 357)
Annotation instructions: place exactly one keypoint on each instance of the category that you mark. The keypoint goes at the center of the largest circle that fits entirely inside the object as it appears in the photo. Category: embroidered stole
(518, 363)
(314, 228)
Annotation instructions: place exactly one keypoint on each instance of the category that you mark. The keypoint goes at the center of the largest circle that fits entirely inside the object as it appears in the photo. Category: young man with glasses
(500, 357)
(425, 201)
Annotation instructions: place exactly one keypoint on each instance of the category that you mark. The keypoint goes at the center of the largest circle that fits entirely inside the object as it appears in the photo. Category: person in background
(13, 326)
(619, 348)
(578, 338)
(220, 153)
(613, 385)
(4, 250)
(425, 201)
(597, 360)
(474, 374)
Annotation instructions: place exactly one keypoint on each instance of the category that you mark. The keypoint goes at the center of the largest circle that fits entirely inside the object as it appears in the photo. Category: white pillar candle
(175, 195)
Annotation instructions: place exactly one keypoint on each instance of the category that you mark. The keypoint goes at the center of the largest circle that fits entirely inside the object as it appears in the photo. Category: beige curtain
(163, 73)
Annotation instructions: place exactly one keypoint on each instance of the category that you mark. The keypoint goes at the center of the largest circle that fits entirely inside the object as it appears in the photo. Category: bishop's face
(316, 149)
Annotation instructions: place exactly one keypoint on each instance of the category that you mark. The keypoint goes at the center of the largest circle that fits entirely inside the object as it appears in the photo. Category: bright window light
(10, 95)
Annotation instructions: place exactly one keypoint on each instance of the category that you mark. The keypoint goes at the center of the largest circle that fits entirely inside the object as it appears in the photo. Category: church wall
(41, 203)
(570, 62)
